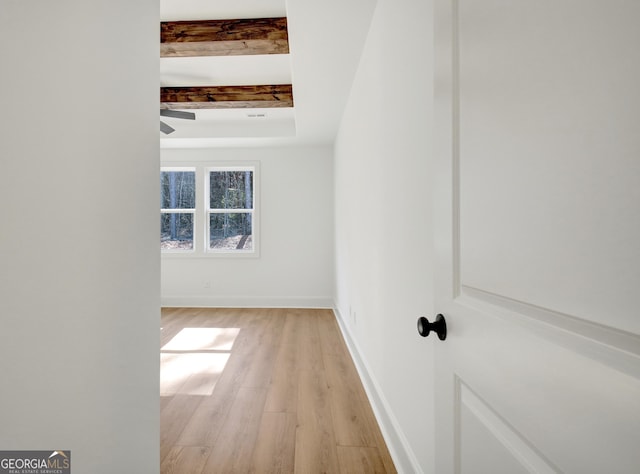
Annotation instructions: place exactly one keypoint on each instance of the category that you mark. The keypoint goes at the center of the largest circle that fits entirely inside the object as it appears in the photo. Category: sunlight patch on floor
(191, 374)
(203, 339)
(193, 360)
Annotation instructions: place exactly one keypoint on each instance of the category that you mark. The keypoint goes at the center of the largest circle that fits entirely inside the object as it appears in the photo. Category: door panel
(487, 442)
(580, 415)
(549, 156)
(537, 235)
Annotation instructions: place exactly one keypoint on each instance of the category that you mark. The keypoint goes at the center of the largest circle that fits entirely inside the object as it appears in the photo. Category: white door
(537, 191)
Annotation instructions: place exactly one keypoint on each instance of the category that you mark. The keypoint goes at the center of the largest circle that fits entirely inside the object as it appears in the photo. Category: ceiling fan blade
(177, 114)
(166, 129)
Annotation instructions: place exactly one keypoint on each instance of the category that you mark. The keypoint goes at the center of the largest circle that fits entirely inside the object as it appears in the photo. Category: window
(230, 209)
(177, 209)
(209, 210)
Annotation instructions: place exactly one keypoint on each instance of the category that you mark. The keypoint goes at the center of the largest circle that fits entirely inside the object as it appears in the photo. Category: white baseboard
(245, 302)
(402, 455)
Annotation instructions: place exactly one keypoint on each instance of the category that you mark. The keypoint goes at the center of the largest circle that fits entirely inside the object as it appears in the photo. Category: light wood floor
(263, 391)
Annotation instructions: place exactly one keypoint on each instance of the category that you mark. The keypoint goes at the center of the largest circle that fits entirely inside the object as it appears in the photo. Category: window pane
(231, 190)
(177, 189)
(176, 231)
(230, 231)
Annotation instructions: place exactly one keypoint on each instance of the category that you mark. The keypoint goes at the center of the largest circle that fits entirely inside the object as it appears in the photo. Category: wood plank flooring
(263, 391)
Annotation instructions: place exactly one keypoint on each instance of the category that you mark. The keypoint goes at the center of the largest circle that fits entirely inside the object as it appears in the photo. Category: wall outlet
(206, 283)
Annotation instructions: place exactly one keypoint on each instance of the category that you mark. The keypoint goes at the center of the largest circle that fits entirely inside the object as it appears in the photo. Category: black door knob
(439, 326)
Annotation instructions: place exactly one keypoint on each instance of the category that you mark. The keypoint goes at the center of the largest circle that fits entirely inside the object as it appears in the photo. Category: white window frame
(191, 211)
(254, 212)
(201, 214)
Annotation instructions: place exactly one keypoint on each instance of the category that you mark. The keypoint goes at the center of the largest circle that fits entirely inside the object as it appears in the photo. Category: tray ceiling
(319, 68)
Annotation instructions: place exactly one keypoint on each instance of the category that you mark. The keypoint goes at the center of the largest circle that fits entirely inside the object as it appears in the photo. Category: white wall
(79, 278)
(383, 221)
(295, 263)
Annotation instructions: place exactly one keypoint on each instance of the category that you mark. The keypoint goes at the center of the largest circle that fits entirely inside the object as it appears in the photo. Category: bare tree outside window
(177, 204)
(231, 209)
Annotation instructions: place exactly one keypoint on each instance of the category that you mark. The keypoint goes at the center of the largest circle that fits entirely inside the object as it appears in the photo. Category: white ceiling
(325, 42)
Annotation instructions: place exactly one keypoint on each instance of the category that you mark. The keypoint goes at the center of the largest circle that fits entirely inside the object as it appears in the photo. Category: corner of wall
(401, 453)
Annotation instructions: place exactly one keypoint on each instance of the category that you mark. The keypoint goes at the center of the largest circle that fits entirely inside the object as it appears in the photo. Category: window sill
(194, 254)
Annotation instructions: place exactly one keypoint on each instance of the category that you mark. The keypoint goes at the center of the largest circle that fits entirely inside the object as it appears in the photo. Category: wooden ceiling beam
(226, 97)
(224, 37)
